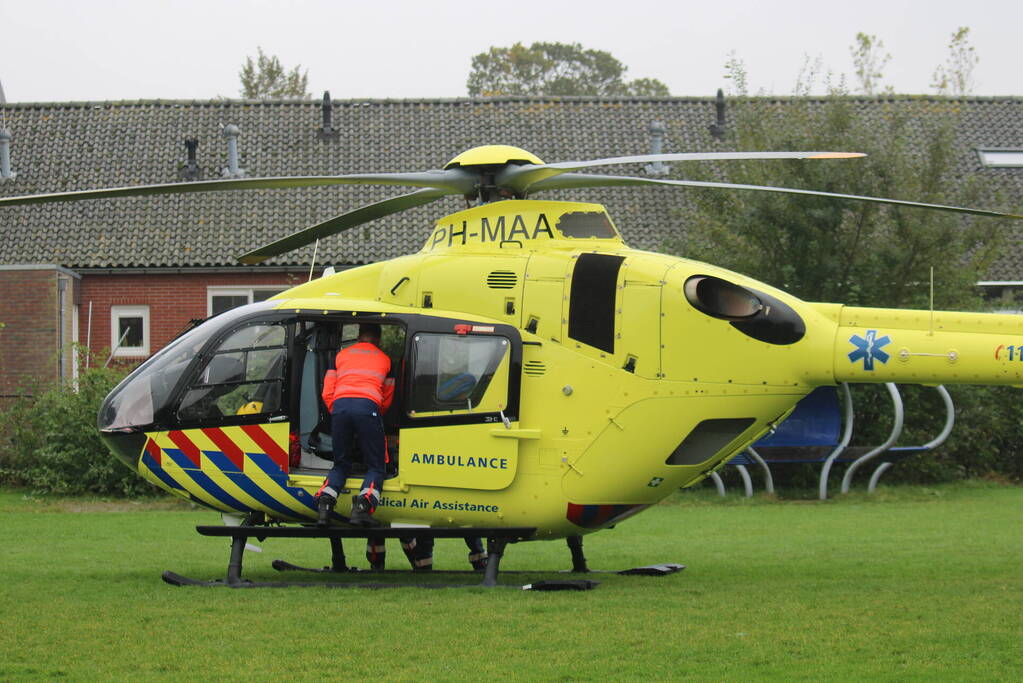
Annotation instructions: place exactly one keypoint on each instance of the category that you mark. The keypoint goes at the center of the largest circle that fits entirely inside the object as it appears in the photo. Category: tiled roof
(83, 145)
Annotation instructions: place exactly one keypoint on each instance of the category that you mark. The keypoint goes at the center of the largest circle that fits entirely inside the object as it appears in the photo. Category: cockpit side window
(244, 375)
(146, 395)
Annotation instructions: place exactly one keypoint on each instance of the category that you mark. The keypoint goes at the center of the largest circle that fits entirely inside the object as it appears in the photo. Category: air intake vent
(502, 279)
(534, 368)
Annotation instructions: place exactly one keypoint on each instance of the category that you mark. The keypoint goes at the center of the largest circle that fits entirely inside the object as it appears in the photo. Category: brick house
(38, 313)
(129, 274)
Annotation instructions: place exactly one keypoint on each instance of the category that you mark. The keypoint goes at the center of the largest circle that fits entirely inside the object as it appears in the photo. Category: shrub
(50, 443)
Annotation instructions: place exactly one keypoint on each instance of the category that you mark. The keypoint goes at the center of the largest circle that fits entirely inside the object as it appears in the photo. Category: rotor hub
(494, 155)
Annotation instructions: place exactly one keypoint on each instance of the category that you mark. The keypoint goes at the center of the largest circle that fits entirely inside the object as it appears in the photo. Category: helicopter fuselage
(548, 376)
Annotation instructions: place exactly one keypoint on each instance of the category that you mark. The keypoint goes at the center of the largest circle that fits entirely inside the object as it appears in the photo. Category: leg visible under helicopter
(477, 555)
(376, 553)
(419, 552)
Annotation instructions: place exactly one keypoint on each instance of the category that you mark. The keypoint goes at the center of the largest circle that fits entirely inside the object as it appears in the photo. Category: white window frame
(1003, 157)
(236, 290)
(1015, 285)
(138, 311)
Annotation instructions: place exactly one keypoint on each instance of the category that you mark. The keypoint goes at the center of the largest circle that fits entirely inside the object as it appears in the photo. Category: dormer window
(1001, 158)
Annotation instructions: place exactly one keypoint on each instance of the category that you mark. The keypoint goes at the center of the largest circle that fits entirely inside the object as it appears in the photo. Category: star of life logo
(868, 349)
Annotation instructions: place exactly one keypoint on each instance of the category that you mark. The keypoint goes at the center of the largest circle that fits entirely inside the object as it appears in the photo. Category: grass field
(910, 584)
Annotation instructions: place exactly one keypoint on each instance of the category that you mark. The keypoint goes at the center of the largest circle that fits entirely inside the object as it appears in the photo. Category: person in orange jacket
(358, 391)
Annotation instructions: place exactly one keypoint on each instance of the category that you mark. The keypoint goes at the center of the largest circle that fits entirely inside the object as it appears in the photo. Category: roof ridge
(499, 99)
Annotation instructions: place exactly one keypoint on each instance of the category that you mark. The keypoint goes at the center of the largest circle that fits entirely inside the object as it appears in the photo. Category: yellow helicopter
(551, 381)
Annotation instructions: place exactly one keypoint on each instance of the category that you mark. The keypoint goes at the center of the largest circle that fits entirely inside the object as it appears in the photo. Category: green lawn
(913, 583)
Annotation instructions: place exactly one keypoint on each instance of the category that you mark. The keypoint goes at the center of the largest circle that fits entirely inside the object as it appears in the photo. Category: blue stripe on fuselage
(273, 470)
(203, 480)
(159, 472)
(245, 483)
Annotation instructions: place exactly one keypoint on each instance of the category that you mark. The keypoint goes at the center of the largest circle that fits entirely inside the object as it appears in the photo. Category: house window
(1003, 296)
(220, 299)
(129, 330)
(1001, 158)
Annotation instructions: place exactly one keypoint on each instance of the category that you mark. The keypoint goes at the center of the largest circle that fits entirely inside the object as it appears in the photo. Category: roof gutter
(41, 266)
(223, 270)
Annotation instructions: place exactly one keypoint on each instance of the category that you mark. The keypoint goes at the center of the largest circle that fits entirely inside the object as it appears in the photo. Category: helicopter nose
(126, 444)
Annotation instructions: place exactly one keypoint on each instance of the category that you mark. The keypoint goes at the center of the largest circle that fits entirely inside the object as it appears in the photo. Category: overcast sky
(68, 50)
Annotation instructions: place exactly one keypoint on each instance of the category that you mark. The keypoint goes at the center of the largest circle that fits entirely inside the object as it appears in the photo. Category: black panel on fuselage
(591, 312)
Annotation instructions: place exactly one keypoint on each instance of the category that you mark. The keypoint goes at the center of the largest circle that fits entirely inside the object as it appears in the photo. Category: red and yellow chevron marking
(239, 468)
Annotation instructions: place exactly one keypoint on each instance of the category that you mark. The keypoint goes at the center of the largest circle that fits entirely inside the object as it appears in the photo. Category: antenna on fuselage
(930, 333)
(316, 248)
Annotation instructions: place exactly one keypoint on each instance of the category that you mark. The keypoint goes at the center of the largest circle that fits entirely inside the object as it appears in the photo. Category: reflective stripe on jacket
(360, 372)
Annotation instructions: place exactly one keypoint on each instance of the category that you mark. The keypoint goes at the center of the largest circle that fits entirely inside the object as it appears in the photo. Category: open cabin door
(317, 343)
(461, 391)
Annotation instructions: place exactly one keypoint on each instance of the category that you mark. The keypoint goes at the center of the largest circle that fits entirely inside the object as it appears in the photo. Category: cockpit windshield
(141, 396)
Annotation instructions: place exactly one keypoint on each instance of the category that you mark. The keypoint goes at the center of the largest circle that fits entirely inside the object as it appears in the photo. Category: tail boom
(925, 347)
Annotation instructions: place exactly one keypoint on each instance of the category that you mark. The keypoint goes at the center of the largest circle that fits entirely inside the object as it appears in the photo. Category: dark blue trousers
(358, 420)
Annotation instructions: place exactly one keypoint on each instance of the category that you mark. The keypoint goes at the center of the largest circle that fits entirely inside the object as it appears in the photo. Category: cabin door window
(459, 391)
(459, 374)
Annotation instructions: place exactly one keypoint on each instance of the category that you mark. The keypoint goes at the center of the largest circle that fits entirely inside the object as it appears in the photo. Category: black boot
(324, 506)
(419, 553)
(477, 555)
(361, 515)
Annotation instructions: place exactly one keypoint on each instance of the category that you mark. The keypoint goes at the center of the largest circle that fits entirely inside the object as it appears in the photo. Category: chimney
(657, 131)
(189, 169)
(327, 131)
(717, 129)
(6, 174)
(231, 133)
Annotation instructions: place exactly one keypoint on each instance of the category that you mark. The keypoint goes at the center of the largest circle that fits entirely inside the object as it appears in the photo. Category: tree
(955, 76)
(830, 250)
(267, 79)
(862, 254)
(869, 62)
(554, 69)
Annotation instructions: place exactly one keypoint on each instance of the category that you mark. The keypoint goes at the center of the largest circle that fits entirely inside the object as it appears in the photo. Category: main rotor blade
(343, 222)
(452, 181)
(522, 178)
(579, 180)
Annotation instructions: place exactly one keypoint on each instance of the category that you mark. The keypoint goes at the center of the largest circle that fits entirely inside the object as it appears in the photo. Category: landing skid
(579, 566)
(497, 540)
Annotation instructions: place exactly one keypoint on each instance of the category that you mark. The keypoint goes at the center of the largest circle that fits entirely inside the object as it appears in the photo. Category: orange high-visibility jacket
(360, 372)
